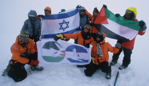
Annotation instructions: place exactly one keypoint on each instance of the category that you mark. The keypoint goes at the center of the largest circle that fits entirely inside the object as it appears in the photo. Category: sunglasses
(23, 36)
(82, 10)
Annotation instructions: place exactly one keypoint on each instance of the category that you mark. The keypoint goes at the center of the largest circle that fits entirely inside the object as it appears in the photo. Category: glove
(78, 6)
(118, 45)
(25, 54)
(66, 39)
(40, 15)
(36, 38)
(142, 25)
(33, 62)
(117, 15)
(105, 6)
(120, 41)
(60, 36)
(87, 45)
(92, 60)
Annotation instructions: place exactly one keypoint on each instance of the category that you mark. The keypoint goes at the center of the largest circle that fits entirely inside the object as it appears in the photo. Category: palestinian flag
(117, 27)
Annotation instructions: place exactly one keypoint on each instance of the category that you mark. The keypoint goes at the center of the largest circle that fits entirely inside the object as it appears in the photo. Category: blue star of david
(62, 25)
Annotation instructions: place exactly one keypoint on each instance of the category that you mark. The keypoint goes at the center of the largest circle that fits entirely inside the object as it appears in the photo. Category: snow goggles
(86, 26)
(128, 12)
(47, 11)
(23, 36)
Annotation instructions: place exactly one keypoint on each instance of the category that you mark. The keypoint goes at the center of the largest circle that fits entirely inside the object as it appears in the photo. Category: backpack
(17, 72)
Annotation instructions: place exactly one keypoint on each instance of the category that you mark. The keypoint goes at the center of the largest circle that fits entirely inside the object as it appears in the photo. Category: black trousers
(33, 56)
(17, 71)
(126, 58)
(90, 69)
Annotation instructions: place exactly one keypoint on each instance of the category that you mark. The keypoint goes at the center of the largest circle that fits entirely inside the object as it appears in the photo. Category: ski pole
(116, 78)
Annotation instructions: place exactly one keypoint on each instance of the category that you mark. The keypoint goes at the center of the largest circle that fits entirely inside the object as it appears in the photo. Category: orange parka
(105, 47)
(90, 16)
(78, 36)
(17, 50)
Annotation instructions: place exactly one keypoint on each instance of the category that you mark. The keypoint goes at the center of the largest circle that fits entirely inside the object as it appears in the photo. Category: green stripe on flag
(120, 20)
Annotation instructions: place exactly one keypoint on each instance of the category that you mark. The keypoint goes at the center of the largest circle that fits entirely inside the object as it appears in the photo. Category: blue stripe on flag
(53, 35)
(61, 16)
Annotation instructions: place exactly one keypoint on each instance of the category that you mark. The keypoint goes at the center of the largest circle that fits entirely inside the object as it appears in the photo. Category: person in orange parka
(93, 17)
(100, 55)
(95, 27)
(84, 37)
(127, 47)
(47, 11)
(23, 52)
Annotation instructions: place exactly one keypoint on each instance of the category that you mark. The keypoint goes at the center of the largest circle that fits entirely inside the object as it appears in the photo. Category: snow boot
(108, 75)
(33, 68)
(122, 67)
(112, 63)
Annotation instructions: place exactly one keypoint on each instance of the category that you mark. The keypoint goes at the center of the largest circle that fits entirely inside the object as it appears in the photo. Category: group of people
(24, 50)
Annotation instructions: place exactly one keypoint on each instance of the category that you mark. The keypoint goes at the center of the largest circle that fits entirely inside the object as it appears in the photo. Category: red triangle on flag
(101, 17)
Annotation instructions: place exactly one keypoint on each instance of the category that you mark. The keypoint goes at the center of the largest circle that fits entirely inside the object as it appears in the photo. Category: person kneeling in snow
(100, 56)
(23, 52)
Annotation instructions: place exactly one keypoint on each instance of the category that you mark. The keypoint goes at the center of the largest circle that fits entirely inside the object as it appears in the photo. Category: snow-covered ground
(14, 13)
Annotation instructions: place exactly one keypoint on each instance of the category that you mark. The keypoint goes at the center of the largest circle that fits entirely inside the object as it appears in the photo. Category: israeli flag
(62, 23)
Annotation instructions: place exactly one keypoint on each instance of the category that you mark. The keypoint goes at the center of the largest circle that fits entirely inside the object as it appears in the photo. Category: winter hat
(48, 8)
(82, 9)
(95, 10)
(100, 35)
(32, 13)
(133, 9)
(24, 35)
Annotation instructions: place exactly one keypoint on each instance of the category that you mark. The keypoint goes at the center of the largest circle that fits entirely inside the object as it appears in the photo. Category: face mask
(86, 35)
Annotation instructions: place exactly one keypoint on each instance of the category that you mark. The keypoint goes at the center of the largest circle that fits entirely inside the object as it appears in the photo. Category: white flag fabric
(62, 23)
(62, 52)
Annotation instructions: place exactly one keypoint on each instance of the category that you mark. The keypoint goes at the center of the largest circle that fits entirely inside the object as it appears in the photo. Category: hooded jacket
(105, 47)
(28, 25)
(17, 50)
(84, 19)
(79, 38)
(90, 16)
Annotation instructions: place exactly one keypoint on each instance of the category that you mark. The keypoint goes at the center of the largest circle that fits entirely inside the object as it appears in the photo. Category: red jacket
(130, 44)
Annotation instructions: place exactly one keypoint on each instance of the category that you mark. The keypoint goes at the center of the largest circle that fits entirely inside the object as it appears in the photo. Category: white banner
(62, 52)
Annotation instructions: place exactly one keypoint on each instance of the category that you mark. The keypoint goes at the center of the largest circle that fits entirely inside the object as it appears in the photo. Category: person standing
(127, 47)
(33, 26)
